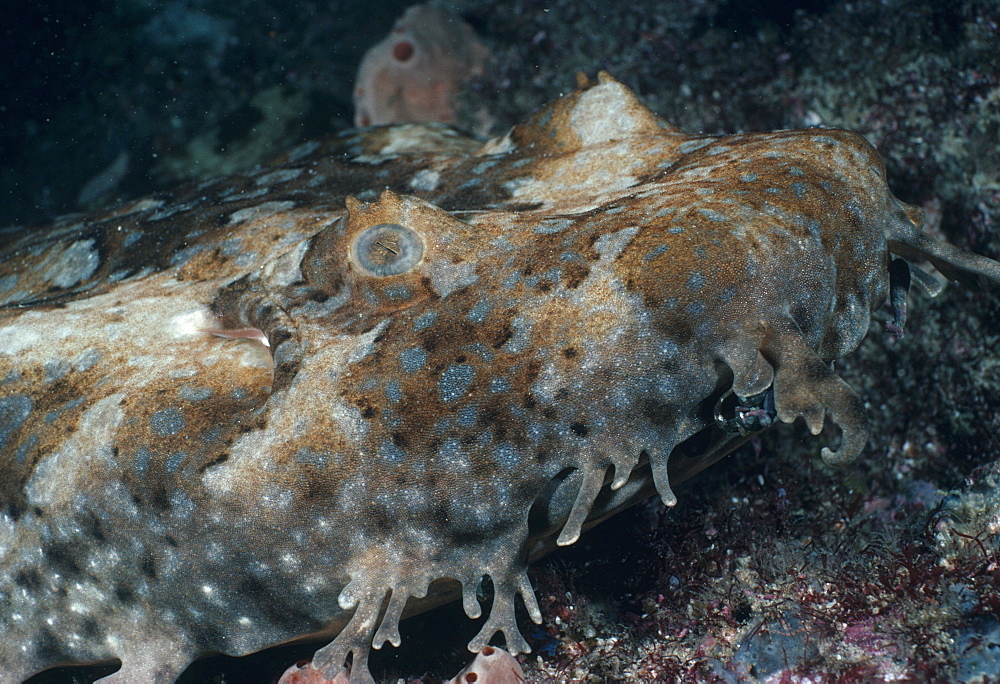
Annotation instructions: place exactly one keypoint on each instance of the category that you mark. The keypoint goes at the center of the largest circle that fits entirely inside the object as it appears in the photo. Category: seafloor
(773, 567)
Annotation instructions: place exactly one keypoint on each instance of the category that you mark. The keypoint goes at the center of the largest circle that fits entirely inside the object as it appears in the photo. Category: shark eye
(387, 249)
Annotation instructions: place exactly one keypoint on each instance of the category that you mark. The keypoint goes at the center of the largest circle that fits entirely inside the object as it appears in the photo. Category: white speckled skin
(548, 317)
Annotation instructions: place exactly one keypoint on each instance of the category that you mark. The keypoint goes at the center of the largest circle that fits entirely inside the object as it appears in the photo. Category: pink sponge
(491, 666)
(415, 73)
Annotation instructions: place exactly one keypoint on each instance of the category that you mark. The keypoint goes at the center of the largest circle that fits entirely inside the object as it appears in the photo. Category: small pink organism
(417, 71)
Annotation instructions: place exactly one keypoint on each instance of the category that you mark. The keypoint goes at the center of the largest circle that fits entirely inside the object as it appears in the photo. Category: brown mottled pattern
(473, 353)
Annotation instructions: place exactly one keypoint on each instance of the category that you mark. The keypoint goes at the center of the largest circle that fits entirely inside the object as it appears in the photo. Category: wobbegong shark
(308, 400)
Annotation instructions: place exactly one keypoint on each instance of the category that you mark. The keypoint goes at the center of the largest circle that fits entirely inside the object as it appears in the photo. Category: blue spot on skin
(167, 422)
(799, 189)
(696, 281)
(553, 274)
(28, 445)
(398, 292)
(480, 311)
(192, 393)
(669, 349)
(68, 406)
(471, 183)
(696, 308)
(713, 215)
(389, 418)
(467, 416)
(392, 453)
(55, 369)
(86, 360)
(174, 461)
(655, 253)
(676, 230)
(425, 320)
(441, 427)
(796, 171)
(692, 145)
(522, 335)
(392, 392)
(553, 225)
(181, 504)
(141, 460)
(727, 294)
(413, 359)
(185, 255)
(499, 385)
(483, 168)
(506, 456)
(455, 380)
(749, 177)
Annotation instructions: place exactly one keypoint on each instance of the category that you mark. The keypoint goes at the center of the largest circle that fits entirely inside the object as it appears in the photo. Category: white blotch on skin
(425, 180)
(59, 476)
(16, 338)
(190, 323)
